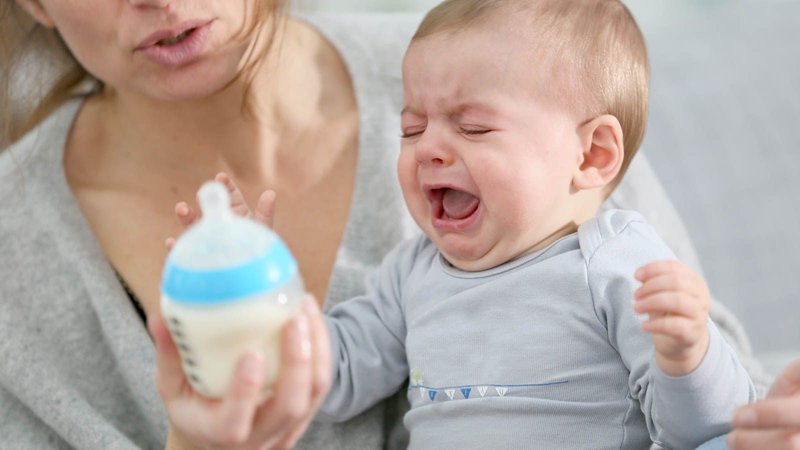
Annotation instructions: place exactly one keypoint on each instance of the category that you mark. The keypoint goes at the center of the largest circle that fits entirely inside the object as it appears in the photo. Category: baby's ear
(37, 11)
(603, 151)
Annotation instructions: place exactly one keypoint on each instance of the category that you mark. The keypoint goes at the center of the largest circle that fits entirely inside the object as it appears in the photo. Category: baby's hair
(594, 47)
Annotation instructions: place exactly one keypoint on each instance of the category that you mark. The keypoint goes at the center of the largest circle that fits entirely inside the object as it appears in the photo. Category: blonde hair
(24, 42)
(596, 45)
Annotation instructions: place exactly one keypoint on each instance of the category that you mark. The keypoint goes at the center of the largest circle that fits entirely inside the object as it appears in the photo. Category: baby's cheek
(420, 212)
(406, 168)
(516, 208)
(415, 202)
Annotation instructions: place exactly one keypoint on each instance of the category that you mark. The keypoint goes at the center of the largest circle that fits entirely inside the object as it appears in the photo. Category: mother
(156, 97)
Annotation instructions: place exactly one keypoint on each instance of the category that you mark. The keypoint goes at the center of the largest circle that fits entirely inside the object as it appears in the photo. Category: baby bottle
(228, 287)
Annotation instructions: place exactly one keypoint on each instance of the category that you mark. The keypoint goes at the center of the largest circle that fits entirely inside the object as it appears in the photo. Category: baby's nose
(432, 149)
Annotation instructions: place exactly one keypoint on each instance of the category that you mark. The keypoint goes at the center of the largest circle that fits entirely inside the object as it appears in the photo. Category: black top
(137, 305)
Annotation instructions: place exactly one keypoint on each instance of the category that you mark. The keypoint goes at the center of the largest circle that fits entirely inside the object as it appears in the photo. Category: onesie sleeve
(368, 340)
(681, 412)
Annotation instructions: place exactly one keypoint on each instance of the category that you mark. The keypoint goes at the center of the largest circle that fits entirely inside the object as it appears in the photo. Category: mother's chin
(199, 80)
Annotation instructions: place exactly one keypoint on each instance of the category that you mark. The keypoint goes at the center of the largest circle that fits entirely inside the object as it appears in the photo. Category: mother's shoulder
(33, 163)
(380, 37)
(379, 27)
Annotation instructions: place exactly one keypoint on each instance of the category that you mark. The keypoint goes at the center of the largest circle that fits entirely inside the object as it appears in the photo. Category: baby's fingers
(682, 329)
(265, 209)
(674, 303)
(185, 214)
(665, 267)
(682, 281)
(656, 268)
(238, 204)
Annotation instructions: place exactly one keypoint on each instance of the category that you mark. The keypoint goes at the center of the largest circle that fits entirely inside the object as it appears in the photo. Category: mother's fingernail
(308, 305)
(251, 367)
(301, 328)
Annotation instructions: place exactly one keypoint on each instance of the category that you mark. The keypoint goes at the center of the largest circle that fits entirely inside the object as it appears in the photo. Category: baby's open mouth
(452, 204)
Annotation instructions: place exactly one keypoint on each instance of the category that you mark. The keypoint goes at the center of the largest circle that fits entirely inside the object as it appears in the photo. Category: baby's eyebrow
(460, 109)
(475, 107)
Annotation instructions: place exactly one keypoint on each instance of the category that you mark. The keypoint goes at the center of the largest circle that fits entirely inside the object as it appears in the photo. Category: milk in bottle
(228, 287)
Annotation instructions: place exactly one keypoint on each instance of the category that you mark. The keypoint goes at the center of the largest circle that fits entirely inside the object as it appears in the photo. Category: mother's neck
(245, 129)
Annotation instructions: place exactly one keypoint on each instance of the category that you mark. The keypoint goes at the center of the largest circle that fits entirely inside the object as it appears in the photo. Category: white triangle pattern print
(450, 393)
(482, 390)
(501, 390)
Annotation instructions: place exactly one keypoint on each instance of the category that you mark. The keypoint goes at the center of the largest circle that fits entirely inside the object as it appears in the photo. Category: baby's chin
(472, 260)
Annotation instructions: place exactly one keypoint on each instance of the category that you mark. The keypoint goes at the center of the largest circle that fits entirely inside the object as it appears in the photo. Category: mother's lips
(160, 35)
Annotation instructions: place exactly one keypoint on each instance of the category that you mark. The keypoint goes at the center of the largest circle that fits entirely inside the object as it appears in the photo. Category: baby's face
(487, 162)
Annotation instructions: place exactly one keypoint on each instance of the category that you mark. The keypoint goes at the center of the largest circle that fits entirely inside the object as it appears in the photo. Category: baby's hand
(677, 301)
(264, 212)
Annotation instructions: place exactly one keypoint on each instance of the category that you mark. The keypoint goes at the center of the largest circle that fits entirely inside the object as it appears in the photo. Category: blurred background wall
(654, 8)
(367, 5)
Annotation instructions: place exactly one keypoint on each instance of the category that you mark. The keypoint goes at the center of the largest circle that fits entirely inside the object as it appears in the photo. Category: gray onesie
(544, 351)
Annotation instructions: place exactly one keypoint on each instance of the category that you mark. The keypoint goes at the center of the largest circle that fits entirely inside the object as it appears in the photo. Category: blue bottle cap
(269, 272)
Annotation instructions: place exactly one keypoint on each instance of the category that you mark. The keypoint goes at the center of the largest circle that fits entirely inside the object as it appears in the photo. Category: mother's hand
(772, 423)
(242, 419)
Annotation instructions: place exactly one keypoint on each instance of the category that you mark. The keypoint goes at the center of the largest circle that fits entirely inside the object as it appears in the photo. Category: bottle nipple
(214, 200)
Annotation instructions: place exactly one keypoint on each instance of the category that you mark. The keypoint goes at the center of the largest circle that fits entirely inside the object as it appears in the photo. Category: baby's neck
(586, 206)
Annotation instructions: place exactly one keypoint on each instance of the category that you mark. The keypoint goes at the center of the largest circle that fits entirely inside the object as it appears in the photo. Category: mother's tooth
(174, 40)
